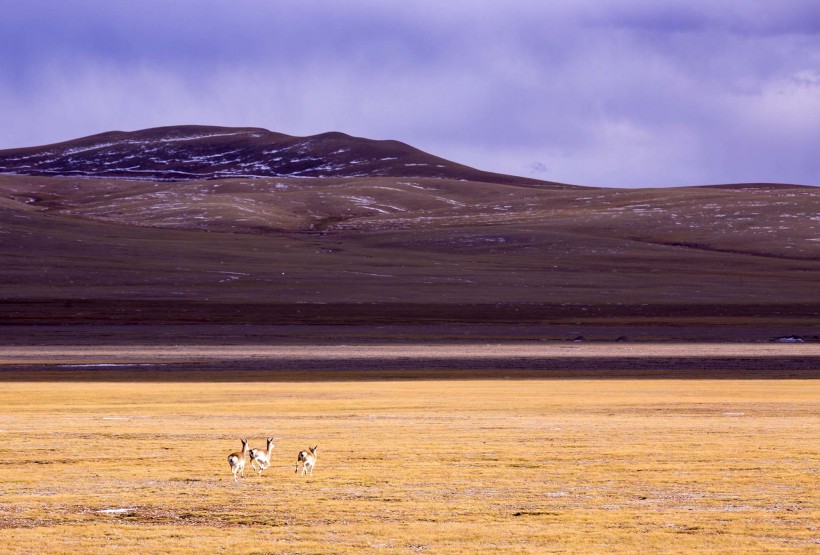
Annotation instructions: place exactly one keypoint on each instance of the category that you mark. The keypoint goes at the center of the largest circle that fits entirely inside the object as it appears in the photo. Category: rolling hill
(206, 225)
(195, 152)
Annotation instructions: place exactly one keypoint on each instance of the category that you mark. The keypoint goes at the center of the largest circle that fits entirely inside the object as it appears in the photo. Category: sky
(620, 93)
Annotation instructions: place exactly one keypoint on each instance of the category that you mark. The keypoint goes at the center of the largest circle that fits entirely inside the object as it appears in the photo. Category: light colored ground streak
(143, 354)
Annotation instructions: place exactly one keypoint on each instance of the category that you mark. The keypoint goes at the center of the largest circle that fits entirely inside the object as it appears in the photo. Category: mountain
(185, 153)
(388, 235)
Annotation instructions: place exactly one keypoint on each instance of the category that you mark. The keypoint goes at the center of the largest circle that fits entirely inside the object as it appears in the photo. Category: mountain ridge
(198, 152)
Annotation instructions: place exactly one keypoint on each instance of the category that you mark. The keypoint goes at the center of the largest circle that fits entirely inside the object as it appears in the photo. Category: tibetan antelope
(237, 460)
(308, 460)
(262, 458)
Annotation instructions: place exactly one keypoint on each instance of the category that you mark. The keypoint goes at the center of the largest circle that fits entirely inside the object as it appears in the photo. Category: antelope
(308, 460)
(262, 458)
(237, 460)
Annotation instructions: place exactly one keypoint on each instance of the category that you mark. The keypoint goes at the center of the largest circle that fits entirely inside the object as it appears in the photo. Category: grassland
(521, 466)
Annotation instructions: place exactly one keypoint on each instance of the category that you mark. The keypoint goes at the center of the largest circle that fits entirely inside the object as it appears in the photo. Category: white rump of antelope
(237, 460)
(308, 460)
(261, 458)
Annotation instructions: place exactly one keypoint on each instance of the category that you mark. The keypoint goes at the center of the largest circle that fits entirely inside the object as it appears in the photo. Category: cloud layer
(627, 93)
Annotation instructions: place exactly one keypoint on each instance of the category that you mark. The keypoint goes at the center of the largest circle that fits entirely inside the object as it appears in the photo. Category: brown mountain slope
(773, 220)
(191, 152)
(555, 258)
(454, 247)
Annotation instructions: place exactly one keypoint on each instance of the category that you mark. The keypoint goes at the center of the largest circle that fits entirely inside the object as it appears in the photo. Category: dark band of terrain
(425, 368)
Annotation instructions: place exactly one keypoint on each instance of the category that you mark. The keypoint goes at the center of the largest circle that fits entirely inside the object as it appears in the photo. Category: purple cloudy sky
(613, 93)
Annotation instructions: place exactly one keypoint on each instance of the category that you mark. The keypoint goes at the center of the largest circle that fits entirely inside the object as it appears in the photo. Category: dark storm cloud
(623, 93)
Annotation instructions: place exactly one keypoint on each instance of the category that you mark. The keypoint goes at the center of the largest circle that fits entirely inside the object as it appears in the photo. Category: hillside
(462, 247)
(194, 152)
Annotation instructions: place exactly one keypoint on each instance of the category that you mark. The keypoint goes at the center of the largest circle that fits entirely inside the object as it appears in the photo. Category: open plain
(408, 465)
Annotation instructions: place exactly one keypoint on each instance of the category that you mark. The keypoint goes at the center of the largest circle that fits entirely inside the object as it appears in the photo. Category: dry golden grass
(458, 467)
